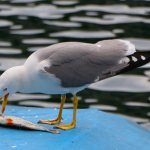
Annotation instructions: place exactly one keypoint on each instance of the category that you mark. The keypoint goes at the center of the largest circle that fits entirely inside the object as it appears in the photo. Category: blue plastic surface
(95, 130)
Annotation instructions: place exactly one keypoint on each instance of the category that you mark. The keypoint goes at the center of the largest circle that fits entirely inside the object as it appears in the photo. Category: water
(27, 25)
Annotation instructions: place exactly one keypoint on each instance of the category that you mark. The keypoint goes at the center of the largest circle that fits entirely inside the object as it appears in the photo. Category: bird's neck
(27, 82)
(21, 75)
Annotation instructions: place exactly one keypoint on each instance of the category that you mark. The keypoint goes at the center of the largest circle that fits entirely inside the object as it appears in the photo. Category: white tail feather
(130, 47)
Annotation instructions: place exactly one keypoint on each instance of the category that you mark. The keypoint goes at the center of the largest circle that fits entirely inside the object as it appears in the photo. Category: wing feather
(77, 64)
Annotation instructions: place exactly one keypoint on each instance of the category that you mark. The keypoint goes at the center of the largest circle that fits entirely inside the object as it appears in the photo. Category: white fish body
(12, 121)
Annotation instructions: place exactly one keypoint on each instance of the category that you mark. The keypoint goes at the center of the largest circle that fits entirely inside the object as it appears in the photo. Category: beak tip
(4, 103)
(3, 109)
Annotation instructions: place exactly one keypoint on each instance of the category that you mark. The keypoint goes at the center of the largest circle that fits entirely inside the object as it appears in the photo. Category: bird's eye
(5, 89)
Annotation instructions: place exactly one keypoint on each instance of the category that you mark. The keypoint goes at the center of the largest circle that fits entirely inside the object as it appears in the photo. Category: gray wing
(77, 64)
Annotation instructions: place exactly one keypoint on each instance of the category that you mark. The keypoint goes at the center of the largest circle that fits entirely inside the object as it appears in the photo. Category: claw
(73, 123)
(58, 119)
(66, 126)
(51, 122)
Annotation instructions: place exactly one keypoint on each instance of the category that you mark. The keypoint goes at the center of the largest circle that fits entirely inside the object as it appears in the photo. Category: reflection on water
(27, 25)
(123, 83)
(141, 43)
(83, 34)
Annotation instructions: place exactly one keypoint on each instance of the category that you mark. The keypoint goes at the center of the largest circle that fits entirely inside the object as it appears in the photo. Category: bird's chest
(39, 83)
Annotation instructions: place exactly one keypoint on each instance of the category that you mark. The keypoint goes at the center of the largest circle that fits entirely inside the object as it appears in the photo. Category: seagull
(70, 67)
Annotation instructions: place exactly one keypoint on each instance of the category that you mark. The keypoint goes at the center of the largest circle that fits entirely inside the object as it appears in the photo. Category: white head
(9, 81)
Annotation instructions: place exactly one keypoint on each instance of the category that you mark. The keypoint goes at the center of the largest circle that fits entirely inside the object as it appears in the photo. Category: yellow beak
(4, 103)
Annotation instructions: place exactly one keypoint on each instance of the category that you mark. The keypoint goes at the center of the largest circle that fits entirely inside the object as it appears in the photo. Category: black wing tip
(137, 59)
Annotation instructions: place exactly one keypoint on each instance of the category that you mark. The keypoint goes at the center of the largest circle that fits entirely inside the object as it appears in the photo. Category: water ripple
(83, 34)
(124, 83)
(117, 9)
(111, 19)
(141, 43)
(28, 25)
(40, 11)
(24, 1)
(27, 31)
(62, 23)
(64, 2)
(10, 51)
(5, 23)
(39, 41)
(4, 43)
(6, 63)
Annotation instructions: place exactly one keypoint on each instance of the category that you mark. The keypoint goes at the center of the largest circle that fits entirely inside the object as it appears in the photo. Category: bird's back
(77, 64)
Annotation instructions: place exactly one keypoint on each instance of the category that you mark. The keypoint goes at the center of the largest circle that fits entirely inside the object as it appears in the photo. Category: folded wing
(77, 64)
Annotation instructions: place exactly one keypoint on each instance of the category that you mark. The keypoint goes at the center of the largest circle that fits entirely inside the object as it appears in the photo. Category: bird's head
(9, 84)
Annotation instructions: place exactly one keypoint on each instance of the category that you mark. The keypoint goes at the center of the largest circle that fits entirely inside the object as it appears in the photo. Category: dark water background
(27, 25)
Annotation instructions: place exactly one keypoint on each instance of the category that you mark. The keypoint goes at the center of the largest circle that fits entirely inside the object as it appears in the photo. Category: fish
(16, 122)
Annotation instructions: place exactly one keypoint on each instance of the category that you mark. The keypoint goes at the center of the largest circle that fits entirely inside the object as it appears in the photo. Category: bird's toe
(51, 122)
(66, 126)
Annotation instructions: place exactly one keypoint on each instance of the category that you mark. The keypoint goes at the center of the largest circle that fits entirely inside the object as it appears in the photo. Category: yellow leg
(59, 117)
(73, 123)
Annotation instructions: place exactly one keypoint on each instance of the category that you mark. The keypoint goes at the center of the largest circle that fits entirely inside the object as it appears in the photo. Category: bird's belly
(48, 85)
(43, 87)
(51, 89)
